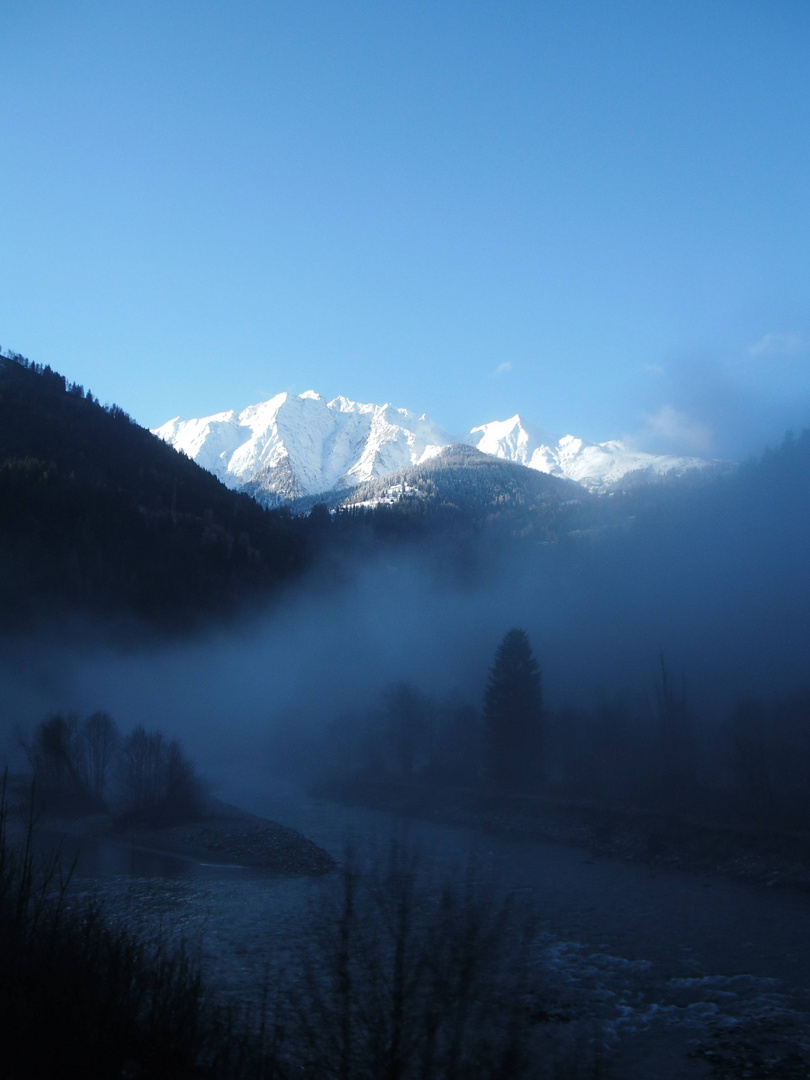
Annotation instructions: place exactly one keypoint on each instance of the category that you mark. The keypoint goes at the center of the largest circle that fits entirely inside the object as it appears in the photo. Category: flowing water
(658, 963)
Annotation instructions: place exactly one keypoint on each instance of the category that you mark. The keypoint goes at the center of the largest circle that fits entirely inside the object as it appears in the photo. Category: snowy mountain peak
(514, 439)
(597, 466)
(293, 445)
(301, 444)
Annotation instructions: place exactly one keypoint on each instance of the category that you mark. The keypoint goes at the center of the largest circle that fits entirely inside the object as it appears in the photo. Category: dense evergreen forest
(99, 516)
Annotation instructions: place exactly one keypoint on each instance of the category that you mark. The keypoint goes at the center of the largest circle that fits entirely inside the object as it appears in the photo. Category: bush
(404, 980)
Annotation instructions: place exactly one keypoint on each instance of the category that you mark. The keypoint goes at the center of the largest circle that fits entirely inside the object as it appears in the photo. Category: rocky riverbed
(225, 835)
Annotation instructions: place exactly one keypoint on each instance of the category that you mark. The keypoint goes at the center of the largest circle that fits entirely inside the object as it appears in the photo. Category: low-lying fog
(728, 604)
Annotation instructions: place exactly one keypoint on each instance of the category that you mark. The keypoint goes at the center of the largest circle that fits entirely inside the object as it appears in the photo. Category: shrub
(404, 980)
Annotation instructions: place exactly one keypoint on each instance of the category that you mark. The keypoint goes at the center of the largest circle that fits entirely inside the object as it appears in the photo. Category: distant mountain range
(294, 446)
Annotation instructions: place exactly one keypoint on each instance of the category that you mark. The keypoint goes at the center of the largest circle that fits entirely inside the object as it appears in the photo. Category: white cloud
(673, 429)
(502, 369)
(790, 344)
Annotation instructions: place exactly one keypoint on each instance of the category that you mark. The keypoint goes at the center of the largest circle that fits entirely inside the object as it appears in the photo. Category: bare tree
(101, 739)
(412, 979)
(142, 758)
(57, 759)
(159, 781)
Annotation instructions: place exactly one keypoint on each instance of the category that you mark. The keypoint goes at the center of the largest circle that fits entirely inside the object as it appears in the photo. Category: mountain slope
(462, 489)
(100, 516)
(296, 446)
(463, 476)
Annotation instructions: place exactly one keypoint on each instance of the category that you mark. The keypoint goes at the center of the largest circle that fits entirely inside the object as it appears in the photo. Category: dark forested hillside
(463, 489)
(98, 515)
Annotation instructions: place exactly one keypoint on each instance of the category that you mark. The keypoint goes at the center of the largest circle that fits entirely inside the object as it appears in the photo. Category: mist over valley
(709, 570)
(342, 659)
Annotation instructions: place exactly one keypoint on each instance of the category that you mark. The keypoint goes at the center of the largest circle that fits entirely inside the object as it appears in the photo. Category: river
(655, 964)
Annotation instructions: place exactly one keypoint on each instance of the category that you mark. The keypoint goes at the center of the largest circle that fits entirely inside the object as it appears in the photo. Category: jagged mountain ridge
(294, 446)
(596, 466)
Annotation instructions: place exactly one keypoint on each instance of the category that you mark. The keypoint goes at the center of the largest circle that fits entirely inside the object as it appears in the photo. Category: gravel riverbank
(226, 835)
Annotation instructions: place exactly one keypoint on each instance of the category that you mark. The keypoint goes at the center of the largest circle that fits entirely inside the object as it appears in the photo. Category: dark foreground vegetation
(81, 998)
(397, 981)
(412, 977)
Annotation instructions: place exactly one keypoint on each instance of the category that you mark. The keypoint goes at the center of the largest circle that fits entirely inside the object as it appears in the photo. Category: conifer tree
(513, 714)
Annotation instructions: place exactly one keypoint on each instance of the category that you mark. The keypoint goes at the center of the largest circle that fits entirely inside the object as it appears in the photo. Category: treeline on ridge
(100, 516)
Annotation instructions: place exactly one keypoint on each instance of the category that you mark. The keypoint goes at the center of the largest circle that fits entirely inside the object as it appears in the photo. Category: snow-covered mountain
(597, 466)
(296, 445)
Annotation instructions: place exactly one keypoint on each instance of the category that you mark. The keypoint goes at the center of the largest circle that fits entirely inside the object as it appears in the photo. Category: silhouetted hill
(461, 476)
(98, 515)
(463, 490)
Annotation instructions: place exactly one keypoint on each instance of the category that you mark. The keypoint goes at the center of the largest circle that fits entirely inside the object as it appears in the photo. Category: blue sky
(596, 214)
